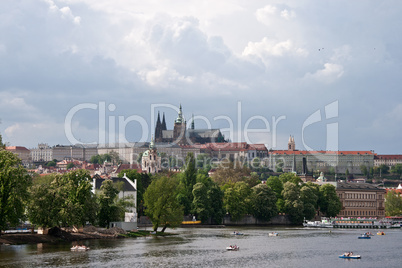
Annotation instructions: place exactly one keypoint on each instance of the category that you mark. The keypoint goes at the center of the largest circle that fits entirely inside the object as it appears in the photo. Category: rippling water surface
(205, 247)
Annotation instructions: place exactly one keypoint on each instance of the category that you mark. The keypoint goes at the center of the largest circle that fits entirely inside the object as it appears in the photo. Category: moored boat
(232, 248)
(324, 223)
(349, 256)
(273, 234)
(364, 236)
(79, 248)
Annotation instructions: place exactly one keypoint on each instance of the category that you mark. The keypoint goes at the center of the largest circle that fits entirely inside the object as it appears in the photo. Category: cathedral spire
(163, 122)
(179, 119)
(192, 122)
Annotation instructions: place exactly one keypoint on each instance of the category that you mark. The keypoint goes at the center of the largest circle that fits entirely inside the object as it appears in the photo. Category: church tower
(163, 122)
(158, 129)
(151, 160)
(291, 144)
(179, 130)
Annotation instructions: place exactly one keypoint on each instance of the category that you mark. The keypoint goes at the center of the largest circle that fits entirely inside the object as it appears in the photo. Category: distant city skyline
(326, 73)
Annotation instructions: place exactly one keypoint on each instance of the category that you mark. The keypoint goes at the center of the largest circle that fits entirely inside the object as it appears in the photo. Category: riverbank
(57, 235)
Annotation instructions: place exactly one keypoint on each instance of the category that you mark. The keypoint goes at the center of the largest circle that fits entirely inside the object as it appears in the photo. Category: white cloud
(133, 53)
(272, 15)
(65, 12)
(329, 74)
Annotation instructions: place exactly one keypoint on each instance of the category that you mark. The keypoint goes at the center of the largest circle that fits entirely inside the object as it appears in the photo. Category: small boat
(364, 236)
(237, 233)
(79, 248)
(348, 256)
(232, 248)
(273, 234)
(380, 233)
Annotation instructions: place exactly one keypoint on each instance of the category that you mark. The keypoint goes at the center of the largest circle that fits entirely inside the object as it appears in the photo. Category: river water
(205, 247)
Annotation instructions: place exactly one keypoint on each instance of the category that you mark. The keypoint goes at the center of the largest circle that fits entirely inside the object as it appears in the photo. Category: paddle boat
(380, 233)
(349, 255)
(79, 248)
(237, 233)
(232, 248)
(364, 236)
(273, 234)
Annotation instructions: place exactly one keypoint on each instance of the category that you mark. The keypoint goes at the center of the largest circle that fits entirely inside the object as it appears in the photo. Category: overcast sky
(326, 72)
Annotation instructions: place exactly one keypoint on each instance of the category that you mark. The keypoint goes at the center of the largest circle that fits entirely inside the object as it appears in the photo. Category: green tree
(263, 202)
(14, 183)
(70, 165)
(393, 204)
(208, 200)
(78, 206)
(293, 205)
(309, 198)
(51, 164)
(397, 169)
(201, 204)
(95, 159)
(45, 202)
(256, 163)
(384, 169)
(293, 178)
(231, 172)
(237, 199)
(188, 179)
(277, 186)
(329, 202)
(108, 209)
(203, 161)
(161, 204)
(364, 170)
(114, 157)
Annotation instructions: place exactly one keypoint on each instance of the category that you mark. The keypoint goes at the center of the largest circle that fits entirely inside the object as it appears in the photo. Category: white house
(128, 190)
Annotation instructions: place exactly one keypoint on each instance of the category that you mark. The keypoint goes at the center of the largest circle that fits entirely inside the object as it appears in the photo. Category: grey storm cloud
(289, 59)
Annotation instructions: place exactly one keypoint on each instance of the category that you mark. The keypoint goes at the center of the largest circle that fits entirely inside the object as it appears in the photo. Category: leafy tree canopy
(329, 202)
(161, 204)
(263, 202)
(14, 183)
(393, 204)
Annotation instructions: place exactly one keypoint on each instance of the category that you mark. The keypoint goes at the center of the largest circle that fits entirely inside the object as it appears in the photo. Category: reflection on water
(294, 247)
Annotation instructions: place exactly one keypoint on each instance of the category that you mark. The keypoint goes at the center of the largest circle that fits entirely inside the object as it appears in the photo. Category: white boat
(346, 256)
(232, 248)
(79, 248)
(273, 234)
(324, 223)
(237, 233)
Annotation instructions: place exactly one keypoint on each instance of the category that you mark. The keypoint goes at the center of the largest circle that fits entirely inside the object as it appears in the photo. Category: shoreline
(57, 235)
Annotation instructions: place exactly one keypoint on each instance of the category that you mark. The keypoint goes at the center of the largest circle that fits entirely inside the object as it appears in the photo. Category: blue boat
(345, 256)
(364, 236)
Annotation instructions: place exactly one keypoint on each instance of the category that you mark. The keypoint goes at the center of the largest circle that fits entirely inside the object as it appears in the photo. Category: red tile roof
(15, 148)
(388, 156)
(287, 152)
(129, 166)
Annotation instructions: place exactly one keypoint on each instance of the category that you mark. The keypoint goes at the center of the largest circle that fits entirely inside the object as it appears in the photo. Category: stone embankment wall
(247, 220)
(250, 220)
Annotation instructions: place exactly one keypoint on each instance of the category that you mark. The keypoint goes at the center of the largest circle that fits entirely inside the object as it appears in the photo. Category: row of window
(360, 213)
(360, 196)
(360, 204)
